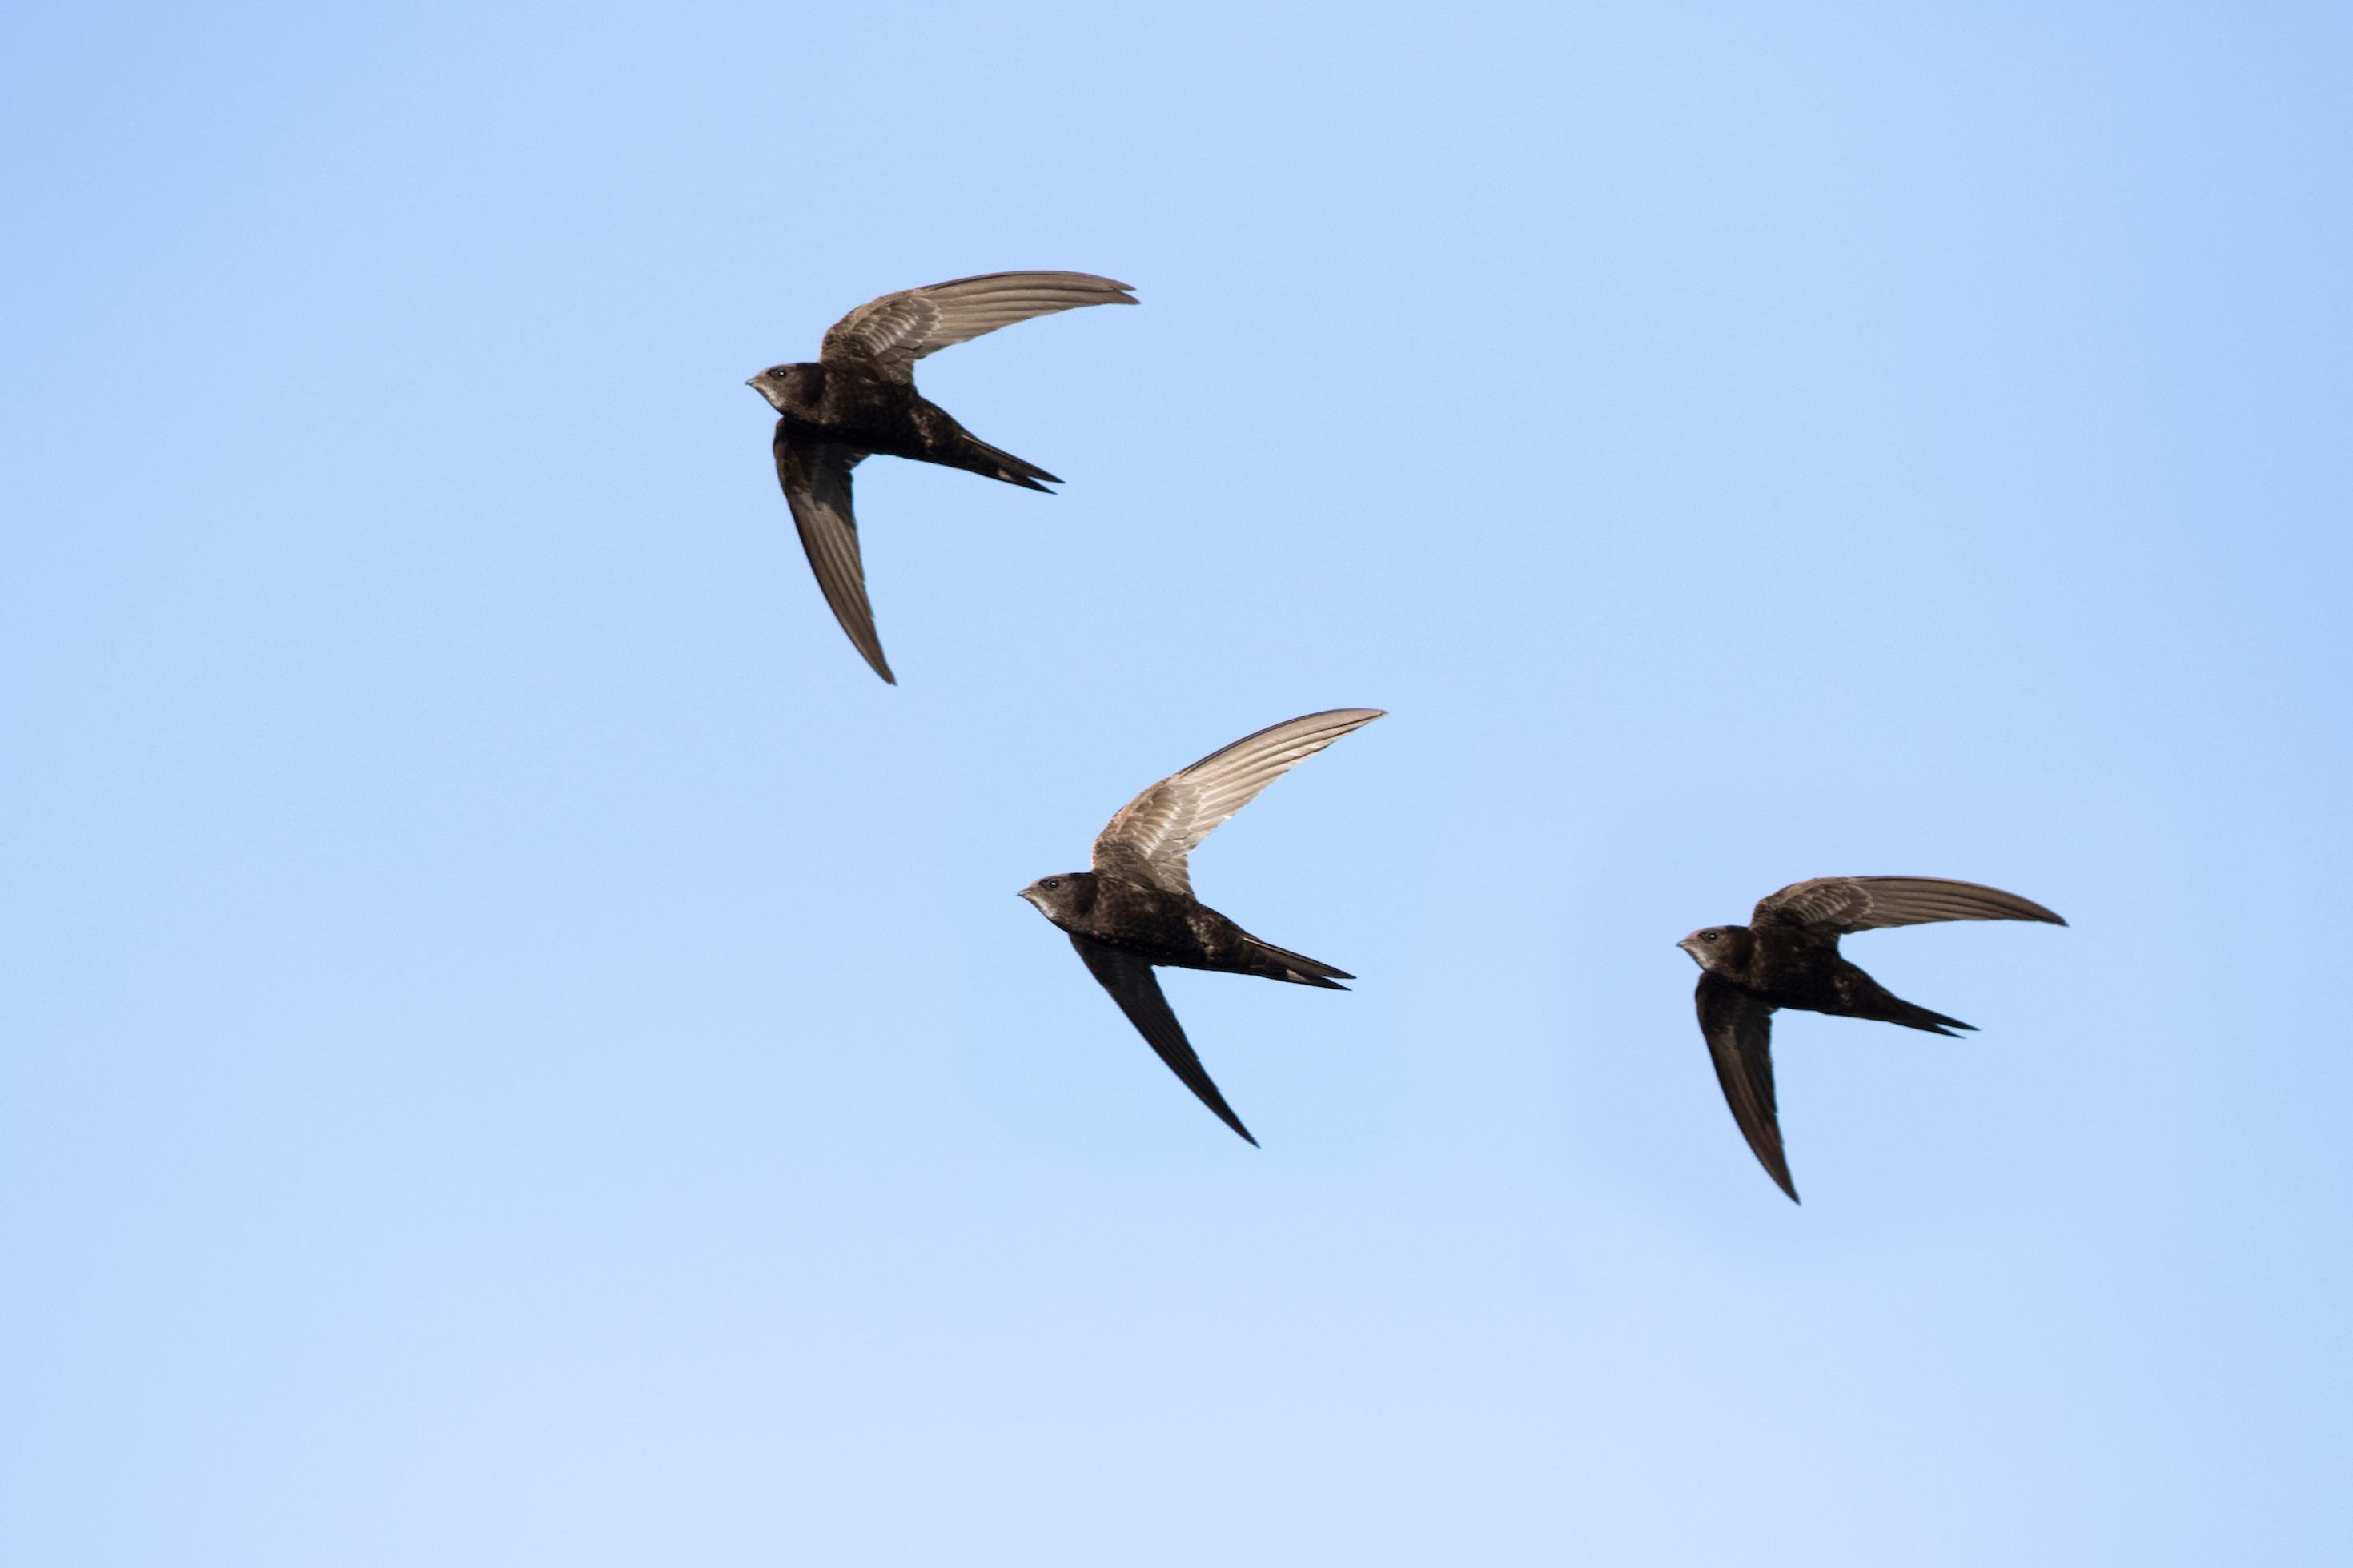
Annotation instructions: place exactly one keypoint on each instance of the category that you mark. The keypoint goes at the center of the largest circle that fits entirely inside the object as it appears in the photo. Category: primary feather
(1151, 837)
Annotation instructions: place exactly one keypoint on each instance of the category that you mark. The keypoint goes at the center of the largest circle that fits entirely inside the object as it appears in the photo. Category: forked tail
(1280, 963)
(976, 456)
(1912, 1015)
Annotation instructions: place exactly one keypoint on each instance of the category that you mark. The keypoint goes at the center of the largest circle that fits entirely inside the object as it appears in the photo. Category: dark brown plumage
(860, 398)
(1135, 908)
(1787, 956)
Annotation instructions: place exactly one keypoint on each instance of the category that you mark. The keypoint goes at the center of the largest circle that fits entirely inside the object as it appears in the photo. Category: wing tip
(1776, 1165)
(2017, 906)
(1208, 1092)
(1216, 1101)
(2026, 909)
(1035, 277)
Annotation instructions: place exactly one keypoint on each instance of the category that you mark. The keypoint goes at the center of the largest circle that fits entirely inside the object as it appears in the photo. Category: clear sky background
(519, 1049)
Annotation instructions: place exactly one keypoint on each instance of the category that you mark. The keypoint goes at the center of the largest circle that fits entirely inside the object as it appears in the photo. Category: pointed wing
(815, 478)
(892, 333)
(1843, 904)
(1739, 1030)
(1137, 989)
(1149, 839)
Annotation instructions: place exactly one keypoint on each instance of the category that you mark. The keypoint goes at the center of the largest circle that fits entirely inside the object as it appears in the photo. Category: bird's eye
(1050, 883)
(1709, 935)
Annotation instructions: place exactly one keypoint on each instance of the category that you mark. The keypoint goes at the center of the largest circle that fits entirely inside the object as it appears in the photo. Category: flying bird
(860, 398)
(1135, 909)
(1787, 956)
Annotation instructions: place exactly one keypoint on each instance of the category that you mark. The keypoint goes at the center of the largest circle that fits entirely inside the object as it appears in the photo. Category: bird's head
(1061, 898)
(775, 384)
(1717, 947)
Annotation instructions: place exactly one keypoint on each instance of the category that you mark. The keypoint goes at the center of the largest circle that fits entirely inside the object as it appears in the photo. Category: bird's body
(858, 398)
(1175, 931)
(1135, 909)
(1789, 965)
(1787, 956)
(850, 406)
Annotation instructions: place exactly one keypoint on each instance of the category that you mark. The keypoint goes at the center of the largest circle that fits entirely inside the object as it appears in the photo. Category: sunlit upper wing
(1739, 1030)
(1149, 839)
(1137, 989)
(892, 333)
(1843, 904)
(815, 478)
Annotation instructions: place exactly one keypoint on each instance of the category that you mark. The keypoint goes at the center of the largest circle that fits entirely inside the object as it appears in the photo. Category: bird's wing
(815, 478)
(892, 333)
(1843, 904)
(1149, 839)
(1739, 1030)
(1137, 989)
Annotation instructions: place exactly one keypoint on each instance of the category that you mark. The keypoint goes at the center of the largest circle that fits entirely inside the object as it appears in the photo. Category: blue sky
(518, 1048)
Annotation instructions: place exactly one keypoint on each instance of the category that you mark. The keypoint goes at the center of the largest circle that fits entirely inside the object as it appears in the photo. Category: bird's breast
(1781, 967)
(862, 411)
(1147, 922)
